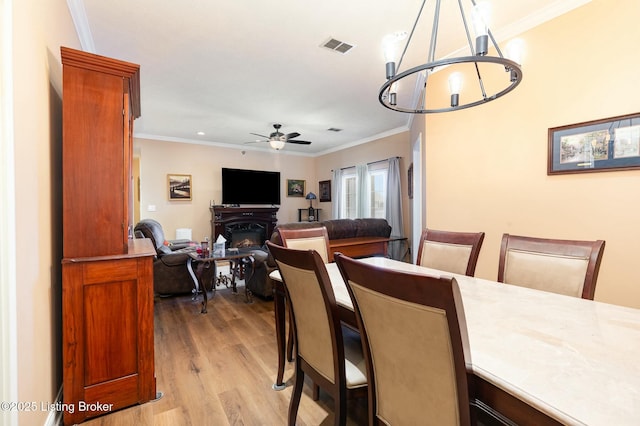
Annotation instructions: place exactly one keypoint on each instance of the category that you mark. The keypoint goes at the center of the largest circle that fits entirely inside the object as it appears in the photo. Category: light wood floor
(218, 368)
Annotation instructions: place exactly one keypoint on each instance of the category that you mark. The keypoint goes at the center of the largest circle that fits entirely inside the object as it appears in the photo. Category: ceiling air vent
(337, 45)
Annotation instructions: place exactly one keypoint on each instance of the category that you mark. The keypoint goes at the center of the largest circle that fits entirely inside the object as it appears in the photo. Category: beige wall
(486, 166)
(204, 163)
(39, 30)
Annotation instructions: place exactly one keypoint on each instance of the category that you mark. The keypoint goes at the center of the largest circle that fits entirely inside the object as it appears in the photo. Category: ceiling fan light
(276, 144)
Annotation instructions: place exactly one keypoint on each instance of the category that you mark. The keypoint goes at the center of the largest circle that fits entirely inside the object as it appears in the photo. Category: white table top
(576, 360)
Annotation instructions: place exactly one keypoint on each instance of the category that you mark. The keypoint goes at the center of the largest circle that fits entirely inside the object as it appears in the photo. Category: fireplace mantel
(222, 218)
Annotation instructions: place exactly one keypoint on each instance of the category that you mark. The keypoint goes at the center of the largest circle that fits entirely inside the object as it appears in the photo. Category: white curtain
(362, 191)
(336, 194)
(394, 209)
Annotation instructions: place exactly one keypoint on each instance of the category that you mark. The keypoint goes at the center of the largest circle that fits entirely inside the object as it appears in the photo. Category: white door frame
(8, 315)
(417, 150)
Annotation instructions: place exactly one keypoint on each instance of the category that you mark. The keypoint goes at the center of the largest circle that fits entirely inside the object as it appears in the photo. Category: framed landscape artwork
(324, 187)
(295, 188)
(179, 187)
(595, 146)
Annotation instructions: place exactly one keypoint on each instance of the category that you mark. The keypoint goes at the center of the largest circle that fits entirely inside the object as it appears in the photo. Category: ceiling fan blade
(257, 134)
(299, 142)
(293, 135)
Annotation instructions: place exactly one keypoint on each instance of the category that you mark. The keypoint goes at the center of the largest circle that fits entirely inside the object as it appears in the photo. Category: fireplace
(243, 226)
(241, 235)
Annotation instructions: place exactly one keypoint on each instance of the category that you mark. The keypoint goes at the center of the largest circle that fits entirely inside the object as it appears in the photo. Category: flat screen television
(241, 186)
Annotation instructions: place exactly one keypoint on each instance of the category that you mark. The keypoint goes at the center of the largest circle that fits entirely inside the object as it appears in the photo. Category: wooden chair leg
(316, 391)
(340, 409)
(296, 394)
(290, 337)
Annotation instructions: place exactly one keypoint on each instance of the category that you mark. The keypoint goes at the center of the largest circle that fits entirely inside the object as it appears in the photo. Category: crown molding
(81, 22)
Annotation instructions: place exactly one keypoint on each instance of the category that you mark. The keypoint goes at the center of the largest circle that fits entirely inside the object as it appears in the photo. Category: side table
(314, 217)
(236, 257)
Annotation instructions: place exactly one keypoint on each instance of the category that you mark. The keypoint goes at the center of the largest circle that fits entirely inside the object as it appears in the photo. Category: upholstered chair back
(566, 267)
(449, 251)
(312, 323)
(330, 354)
(415, 343)
(308, 239)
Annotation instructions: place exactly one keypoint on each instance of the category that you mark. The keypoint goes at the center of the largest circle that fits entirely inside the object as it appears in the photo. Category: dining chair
(328, 353)
(450, 251)
(414, 337)
(568, 267)
(315, 238)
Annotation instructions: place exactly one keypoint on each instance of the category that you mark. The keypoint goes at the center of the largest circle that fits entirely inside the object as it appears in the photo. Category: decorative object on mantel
(324, 187)
(295, 188)
(312, 214)
(179, 187)
(595, 146)
(405, 96)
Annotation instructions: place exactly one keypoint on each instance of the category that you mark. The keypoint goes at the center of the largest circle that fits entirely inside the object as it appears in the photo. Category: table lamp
(312, 213)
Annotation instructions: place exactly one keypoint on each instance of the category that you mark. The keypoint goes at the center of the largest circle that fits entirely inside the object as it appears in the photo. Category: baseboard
(55, 417)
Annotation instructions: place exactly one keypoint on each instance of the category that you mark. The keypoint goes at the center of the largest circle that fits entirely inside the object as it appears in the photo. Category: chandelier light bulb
(391, 44)
(393, 93)
(455, 86)
(480, 17)
(514, 50)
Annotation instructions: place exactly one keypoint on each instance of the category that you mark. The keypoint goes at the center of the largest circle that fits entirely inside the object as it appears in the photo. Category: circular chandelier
(476, 63)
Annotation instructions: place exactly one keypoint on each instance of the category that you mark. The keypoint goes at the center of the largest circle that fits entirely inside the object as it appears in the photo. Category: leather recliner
(170, 273)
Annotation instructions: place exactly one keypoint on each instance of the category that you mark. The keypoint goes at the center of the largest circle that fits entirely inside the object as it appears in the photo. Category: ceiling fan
(277, 139)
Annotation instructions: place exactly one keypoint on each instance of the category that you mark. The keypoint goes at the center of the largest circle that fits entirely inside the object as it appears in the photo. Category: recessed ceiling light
(200, 133)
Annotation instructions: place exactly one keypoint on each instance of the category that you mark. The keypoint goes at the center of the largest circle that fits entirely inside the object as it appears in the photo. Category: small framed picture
(324, 187)
(295, 188)
(179, 187)
(595, 146)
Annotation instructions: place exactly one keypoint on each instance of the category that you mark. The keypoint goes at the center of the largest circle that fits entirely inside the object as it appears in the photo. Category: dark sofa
(259, 282)
(170, 273)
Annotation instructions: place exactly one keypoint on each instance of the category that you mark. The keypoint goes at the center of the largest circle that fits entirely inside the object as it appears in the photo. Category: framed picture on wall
(595, 146)
(295, 188)
(179, 187)
(324, 187)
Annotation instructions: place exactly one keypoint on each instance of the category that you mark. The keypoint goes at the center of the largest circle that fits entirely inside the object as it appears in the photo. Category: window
(377, 190)
(373, 198)
(349, 199)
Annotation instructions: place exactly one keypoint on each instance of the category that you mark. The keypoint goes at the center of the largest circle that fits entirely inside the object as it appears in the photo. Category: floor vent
(337, 45)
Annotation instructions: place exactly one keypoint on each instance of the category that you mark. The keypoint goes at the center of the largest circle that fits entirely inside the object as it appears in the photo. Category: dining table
(536, 357)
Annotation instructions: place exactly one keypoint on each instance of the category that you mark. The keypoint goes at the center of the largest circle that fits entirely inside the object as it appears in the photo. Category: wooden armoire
(107, 277)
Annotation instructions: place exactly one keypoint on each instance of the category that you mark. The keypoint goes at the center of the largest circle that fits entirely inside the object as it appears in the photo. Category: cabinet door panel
(111, 331)
(93, 154)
